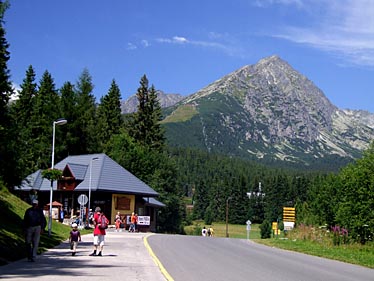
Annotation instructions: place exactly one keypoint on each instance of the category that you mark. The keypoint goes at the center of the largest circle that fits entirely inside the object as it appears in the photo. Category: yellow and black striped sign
(289, 214)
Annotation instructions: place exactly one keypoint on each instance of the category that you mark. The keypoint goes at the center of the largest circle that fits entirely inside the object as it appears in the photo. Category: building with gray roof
(105, 183)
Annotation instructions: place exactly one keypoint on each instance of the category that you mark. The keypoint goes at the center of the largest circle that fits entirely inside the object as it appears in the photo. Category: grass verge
(12, 243)
(351, 253)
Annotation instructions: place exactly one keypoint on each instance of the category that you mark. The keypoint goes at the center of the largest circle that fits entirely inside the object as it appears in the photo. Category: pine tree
(22, 112)
(109, 115)
(146, 128)
(157, 140)
(86, 124)
(71, 131)
(46, 111)
(8, 152)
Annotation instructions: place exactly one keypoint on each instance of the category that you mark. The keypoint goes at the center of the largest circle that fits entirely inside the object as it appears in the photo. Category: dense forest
(137, 142)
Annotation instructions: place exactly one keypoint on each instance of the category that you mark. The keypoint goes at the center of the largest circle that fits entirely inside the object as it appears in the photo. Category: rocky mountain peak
(271, 110)
(131, 104)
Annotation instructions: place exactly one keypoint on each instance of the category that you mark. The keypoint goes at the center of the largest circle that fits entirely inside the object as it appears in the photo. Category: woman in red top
(99, 233)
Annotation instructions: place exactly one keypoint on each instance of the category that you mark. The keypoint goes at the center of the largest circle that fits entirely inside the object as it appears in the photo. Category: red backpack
(103, 221)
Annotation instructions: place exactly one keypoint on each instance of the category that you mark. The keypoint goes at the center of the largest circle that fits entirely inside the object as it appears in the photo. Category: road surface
(209, 258)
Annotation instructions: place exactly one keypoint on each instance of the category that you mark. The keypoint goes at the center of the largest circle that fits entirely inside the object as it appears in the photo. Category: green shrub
(265, 228)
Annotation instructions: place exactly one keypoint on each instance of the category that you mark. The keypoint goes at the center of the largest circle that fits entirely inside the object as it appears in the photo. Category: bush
(265, 228)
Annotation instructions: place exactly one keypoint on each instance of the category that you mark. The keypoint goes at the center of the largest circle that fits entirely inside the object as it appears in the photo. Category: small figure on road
(133, 221)
(34, 223)
(74, 237)
(204, 231)
(118, 221)
(210, 231)
(90, 218)
(62, 216)
(99, 232)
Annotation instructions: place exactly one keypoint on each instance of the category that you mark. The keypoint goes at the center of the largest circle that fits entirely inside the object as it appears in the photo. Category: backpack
(103, 222)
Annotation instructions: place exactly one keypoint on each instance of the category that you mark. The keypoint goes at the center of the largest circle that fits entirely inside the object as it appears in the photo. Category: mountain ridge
(279, 114)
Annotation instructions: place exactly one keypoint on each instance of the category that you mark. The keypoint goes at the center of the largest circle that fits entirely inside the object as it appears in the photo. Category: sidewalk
(125, 257)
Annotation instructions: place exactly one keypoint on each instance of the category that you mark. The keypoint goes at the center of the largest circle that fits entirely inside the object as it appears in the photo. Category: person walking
(204, 231)
(132, 223)
(118, 221)
(74, 237)
(100, 223)
(34, 223)
(136, 223)
(210, 231)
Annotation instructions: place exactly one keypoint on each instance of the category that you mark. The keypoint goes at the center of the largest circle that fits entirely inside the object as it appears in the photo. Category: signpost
(289, 217)
(82, 200)
(248, 228)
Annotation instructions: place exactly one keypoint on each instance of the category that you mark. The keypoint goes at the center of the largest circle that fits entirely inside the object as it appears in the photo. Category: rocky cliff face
(130, 105)
(270, 110)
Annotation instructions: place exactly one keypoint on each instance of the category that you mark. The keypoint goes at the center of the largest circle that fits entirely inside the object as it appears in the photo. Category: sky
(183, 46)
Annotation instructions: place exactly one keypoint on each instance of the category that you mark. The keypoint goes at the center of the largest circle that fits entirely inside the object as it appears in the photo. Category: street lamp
(60, 121)
(89, 191)
(227, 216)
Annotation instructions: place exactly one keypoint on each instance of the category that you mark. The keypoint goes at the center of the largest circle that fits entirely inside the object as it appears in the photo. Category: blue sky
(182, 46)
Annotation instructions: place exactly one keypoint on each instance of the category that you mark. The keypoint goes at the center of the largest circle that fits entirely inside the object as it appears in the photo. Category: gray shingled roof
(153, 202)
(107, 175)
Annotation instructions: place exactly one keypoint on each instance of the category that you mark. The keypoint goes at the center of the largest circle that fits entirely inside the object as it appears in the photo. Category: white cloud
(345, 28)
(265, 3)
(178, 39)
(131, 46)
(227, 47)
(145, 43)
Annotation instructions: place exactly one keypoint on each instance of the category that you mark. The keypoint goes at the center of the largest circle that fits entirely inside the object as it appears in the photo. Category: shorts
(99, 240)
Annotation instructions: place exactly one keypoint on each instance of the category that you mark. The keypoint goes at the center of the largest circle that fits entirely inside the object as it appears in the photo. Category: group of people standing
(34, 223)
(207, 231)
(120, 222)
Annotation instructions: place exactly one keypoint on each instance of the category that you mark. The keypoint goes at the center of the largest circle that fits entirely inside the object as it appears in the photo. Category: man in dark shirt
(34, 223)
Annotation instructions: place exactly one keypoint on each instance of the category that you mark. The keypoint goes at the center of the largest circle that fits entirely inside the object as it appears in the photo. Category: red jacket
(96, 221)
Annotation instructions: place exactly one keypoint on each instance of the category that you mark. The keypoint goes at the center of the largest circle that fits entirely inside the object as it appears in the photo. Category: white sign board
(142, 220)
(288, 225)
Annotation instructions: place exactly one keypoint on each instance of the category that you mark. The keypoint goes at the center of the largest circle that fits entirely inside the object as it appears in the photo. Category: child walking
(74, 237)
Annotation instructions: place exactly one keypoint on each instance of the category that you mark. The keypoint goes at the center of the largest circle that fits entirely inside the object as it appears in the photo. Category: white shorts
(99, 240)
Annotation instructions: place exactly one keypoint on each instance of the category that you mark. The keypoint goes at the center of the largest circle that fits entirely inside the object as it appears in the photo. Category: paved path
(125, 257)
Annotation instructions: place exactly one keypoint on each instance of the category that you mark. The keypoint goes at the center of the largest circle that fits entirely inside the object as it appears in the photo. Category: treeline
(259, 193)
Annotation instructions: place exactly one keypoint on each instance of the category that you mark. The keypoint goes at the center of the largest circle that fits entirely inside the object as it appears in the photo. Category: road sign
(248, 228)
(82, 199)
(289, 214)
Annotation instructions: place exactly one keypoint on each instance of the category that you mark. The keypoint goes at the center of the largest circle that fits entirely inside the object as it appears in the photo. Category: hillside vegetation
(12, 243)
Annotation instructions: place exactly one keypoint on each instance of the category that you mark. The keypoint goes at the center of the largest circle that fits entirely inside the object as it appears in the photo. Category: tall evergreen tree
(145, 126)
(71, 131)
(46, 111)
(87, 111)
(8, 163)
(109, 115)
(157, 138)
(138, 125)
(22, 112)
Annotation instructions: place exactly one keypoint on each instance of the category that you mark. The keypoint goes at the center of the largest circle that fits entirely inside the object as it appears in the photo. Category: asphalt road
(125, 257)
(205, 258)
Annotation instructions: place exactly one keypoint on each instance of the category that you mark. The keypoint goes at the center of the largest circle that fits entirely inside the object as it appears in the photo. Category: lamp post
(227, 216)
(89, 191)
(60, 121)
